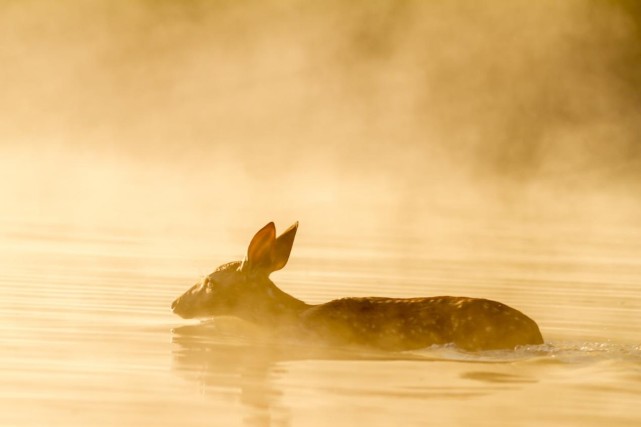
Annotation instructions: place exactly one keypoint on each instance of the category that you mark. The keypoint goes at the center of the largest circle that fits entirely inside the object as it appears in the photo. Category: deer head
(243, 288)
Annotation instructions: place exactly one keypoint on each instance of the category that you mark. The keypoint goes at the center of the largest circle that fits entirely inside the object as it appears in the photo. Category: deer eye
(208, 285)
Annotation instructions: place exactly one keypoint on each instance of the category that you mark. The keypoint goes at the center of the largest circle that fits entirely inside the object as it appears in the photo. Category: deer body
(243, 289)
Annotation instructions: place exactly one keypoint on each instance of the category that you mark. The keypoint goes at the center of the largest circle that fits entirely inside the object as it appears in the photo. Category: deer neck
(278, 308)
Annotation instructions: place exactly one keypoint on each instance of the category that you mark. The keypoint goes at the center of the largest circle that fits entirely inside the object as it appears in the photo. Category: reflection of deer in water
(225, 367)
(243, 289)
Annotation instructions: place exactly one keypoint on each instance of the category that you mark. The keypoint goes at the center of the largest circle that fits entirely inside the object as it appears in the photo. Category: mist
(157, 112)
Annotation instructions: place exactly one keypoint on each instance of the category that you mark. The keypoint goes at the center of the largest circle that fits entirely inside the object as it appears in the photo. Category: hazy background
(487, 149)
(157, 113)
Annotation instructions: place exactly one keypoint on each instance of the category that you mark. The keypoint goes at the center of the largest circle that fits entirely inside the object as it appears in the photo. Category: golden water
(88, 339)
(427, 148)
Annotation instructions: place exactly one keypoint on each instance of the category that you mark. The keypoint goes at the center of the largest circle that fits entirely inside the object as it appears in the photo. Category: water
(88, 339)
(427, 148)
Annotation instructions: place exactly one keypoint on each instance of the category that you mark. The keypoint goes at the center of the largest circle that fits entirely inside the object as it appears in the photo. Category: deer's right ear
(283, 247)
(262, 247)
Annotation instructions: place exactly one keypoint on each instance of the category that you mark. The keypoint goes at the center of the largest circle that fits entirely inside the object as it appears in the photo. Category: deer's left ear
(260, 252)
(283, 247)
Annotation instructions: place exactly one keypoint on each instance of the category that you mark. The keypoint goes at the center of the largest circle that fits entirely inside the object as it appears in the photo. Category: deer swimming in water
(243, 289)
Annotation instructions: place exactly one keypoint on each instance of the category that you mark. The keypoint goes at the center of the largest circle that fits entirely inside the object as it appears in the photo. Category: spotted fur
(243, 289)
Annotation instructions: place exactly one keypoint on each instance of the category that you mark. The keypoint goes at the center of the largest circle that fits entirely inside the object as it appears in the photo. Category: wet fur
(243, 289)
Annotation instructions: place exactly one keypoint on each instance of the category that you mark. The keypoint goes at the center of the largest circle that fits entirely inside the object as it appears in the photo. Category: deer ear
(262, 246)
(283, 247)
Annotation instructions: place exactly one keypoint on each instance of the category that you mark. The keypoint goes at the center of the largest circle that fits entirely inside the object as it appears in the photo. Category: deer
(244, 290)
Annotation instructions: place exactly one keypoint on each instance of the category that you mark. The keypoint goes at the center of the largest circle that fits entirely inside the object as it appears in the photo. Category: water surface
(88, 338)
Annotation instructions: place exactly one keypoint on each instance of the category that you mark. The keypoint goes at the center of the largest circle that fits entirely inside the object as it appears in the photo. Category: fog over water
(482, 149)
(160, 111)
